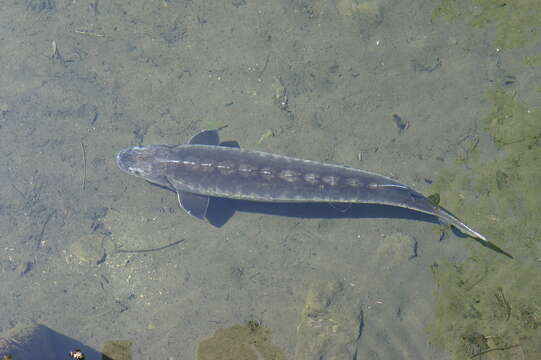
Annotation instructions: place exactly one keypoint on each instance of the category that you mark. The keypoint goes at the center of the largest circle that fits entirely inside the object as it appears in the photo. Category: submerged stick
(149, 250)
(84, 166)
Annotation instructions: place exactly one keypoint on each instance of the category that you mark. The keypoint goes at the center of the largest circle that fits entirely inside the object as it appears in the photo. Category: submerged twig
(84, 165)
(43, 226)
(495, 349)
(150, 250)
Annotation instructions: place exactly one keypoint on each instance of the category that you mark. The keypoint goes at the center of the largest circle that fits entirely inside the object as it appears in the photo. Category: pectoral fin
(194, 204)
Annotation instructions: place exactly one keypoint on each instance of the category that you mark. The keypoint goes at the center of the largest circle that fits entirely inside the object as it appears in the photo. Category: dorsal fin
(207, 137)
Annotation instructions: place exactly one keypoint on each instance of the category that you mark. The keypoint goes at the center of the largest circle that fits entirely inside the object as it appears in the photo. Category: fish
(204, 168)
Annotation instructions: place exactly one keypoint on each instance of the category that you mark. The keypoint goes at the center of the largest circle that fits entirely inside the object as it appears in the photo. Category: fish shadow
(221, 210)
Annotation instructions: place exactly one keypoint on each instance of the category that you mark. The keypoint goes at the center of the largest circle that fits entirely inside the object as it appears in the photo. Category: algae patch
(480, 310)
(503, 193)
(118, 350)
(240, 342)
(512, 121)
(213, 125)
(516, 22)
(489, 306)
(533, 61)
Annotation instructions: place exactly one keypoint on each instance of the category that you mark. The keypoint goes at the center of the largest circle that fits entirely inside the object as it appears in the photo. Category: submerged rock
(330, 327)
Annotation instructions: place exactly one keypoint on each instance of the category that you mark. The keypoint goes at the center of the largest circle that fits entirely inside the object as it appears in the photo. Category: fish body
(203, 169)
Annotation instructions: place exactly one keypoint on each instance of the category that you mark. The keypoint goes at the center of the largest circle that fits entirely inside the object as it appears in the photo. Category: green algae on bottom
(118, 350)
(479, 309)
(533, 61)
(516, 22)
(213, 125)
(489, 306)
(240, 342)
(502, 194)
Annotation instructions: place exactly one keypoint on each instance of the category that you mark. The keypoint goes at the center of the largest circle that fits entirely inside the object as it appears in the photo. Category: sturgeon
(203, 168)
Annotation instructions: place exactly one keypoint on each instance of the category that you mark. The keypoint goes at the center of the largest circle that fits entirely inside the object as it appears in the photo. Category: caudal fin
(450, 219)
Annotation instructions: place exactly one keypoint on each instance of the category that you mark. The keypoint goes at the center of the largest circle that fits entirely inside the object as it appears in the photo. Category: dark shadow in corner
(35, 341)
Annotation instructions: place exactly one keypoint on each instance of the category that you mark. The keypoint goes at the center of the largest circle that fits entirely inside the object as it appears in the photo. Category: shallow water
(318, 80)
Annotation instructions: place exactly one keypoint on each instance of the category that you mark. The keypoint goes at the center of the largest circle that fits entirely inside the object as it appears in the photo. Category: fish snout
(125, 159)
(132, 161)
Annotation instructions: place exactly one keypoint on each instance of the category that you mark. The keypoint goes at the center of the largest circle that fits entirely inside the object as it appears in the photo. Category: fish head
(147, 162)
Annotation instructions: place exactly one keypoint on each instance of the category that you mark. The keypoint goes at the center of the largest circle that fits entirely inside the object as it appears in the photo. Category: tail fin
(449, 218)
